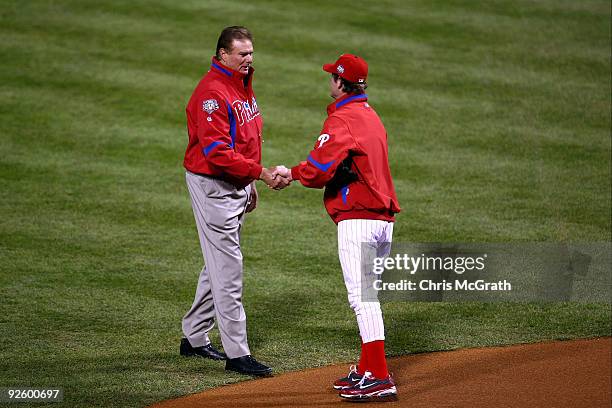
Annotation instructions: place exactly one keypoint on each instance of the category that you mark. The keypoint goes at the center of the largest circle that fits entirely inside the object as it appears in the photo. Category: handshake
(276, 177)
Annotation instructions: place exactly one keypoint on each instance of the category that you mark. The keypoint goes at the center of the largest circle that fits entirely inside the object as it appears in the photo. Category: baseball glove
(344, 175)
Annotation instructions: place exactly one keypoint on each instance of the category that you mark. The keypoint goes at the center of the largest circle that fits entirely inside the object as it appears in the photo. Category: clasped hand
(276, 177)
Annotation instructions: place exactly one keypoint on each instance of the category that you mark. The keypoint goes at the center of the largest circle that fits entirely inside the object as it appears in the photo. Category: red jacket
(352, 128)
(224, 126)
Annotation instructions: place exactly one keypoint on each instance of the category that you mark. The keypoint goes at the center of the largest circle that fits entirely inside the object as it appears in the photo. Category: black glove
(344, 175)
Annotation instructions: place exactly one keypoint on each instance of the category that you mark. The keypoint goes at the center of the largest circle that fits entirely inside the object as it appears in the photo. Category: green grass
(498, 115)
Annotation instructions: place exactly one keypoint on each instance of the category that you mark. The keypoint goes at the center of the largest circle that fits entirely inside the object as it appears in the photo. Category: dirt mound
(561, 374)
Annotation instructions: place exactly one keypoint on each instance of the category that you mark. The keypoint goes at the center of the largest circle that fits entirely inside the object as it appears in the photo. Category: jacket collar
(231, 75)
(344, 100)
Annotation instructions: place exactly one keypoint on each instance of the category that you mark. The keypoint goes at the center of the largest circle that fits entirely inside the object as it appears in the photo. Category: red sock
(362, 367)
(376, 360)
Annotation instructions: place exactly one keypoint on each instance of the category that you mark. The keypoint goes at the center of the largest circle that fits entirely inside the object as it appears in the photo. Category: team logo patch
(322, 139)
(210, 105)
(340, 69)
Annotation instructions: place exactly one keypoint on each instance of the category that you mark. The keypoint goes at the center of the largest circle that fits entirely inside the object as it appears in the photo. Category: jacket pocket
(355, 196)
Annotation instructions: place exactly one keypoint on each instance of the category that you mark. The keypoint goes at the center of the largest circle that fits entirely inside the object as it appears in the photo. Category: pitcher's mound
(565, 374)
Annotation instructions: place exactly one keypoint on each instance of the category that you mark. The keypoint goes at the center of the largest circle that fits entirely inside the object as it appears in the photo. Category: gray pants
(219, 210)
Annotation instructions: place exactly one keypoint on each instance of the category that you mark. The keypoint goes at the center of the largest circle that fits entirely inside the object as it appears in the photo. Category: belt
(205, 175)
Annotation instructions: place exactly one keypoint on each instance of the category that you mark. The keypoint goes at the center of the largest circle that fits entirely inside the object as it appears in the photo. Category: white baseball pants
(359, 241)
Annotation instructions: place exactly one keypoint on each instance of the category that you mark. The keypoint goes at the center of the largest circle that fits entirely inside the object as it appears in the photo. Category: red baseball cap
(350, 67)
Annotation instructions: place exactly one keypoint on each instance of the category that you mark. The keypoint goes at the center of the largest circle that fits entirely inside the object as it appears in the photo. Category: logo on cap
(340, 69)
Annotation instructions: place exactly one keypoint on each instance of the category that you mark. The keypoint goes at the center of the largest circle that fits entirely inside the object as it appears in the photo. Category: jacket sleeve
(217, 127)
(331, 147)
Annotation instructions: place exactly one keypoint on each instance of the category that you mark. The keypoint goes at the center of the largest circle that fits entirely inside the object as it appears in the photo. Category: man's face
(335, 87)
(240, 57)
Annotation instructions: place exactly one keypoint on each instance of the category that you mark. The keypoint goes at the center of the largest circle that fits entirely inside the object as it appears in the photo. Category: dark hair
(229, 34)
(351, 87)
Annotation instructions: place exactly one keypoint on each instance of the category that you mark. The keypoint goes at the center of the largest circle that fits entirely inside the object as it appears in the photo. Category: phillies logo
(322, 139)
(245, 111)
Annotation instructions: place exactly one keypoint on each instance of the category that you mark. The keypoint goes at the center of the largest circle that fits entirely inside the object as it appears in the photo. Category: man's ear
(222, 54)
(339, 84)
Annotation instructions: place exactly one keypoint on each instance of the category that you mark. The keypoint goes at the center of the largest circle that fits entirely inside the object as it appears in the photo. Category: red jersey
(225, 127)
(353, 129)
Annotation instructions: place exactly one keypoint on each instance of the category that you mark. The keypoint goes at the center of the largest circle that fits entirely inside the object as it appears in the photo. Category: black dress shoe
(247, 365)
(207, 351)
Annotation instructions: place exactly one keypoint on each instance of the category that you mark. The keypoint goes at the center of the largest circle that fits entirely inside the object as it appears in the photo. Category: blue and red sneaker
(370, 387)
(351, 379)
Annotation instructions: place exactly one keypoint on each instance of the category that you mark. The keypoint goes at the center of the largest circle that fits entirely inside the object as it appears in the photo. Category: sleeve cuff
(295, 172)
(255, 171)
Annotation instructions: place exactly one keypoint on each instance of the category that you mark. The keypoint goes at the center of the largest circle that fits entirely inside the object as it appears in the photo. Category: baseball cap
(350, 67)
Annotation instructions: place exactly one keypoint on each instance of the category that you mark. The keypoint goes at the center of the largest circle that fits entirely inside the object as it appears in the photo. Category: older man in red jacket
(223, 160)
(350, 159)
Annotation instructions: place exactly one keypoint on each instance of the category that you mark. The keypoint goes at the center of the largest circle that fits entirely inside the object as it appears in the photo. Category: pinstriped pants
(359, 241)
